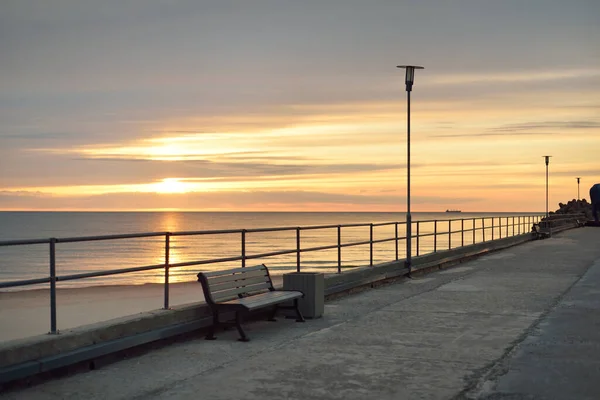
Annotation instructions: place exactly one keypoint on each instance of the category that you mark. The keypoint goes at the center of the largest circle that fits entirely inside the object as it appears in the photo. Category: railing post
(500, 227)
(396, 241)
(462, 232)
(298, 249)
(243, 248)
(417, 239)
(473, 230)
(492, 228)
(483, 229)
(371, 244)
(435, 236)
(513, 226)
(339, 234)
(506, 227)
(167, 254)
(519, 219)
(53, 329)
(449, 234)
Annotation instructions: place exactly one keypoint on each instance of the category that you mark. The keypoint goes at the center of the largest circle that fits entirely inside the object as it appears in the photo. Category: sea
(24, 262)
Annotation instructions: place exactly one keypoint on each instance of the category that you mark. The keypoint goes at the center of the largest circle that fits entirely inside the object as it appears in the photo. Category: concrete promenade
(522, 323)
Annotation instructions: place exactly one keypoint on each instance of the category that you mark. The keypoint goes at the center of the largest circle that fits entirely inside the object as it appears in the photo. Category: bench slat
(264, 299)
(228, 294)
(238, 277)
(239, 283)
(233, 271)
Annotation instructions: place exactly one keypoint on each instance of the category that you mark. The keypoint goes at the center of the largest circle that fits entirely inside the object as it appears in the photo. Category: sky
(286, 105)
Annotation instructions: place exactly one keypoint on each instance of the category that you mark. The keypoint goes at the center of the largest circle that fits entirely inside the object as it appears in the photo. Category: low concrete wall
(22, 358)
(367, 276)
(41, 346)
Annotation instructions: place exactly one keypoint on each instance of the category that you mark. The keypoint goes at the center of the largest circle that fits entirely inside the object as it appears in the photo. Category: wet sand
(27, 313)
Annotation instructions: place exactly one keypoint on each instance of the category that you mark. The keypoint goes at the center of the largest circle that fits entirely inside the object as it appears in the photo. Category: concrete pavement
(522, 323)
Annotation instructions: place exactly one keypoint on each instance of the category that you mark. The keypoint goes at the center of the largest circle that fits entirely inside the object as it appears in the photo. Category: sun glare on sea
(170, 185)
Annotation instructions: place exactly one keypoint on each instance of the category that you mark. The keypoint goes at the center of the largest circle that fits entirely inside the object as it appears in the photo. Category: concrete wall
(43, 353)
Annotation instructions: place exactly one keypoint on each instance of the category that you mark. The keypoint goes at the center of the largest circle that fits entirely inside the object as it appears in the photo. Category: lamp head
(410, 75)
(547, 159)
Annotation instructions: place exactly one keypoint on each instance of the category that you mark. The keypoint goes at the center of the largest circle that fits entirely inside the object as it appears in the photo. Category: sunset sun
(170, 185)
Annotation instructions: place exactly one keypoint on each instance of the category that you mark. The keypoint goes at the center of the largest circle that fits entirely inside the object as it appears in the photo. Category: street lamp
(410, 78)
(578, 178)
(547, 162)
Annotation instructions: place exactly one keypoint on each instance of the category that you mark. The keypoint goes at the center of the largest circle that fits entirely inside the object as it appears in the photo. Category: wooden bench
(243, 290)
(541, 230)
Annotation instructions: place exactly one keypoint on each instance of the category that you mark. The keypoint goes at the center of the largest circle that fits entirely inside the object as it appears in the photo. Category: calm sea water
(32, 261)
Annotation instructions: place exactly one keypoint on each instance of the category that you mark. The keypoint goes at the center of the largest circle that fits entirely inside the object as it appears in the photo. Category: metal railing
(440, 231)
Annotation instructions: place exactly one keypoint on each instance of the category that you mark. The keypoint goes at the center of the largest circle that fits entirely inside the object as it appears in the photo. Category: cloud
(531, 76)
(110, 75)
(37, 136)
(61, 170)
(21, 193)
(238, 200)
(490, 134)
(581, 172)
(548, 128)
(528, 126)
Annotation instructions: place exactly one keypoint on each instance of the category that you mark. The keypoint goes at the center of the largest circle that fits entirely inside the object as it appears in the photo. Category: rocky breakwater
(574, 213)
(574, 207)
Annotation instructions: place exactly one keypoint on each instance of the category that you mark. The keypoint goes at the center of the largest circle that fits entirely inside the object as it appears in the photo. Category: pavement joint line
(473, 313)
(226, 363)
(445, 361)
(328, 328)
(476, 384)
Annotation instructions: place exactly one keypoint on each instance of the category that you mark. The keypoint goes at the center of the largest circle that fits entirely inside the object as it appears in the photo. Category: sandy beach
(27, 313)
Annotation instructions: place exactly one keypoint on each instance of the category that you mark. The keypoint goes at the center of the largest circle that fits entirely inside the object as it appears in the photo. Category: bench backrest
(231, 284)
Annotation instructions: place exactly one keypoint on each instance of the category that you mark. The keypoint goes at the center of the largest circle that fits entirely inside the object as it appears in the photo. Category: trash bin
(312, 284)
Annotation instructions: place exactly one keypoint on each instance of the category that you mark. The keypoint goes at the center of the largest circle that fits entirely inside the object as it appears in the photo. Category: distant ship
(453, 211)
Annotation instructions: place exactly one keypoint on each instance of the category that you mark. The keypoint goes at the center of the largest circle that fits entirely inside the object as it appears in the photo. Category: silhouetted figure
(595, 198)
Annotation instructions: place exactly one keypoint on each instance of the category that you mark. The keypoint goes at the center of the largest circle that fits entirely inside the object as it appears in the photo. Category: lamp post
(578, 178)
(547, 162)
(410, 78)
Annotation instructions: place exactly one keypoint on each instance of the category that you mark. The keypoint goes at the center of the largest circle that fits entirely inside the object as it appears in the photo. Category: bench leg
(238, 325)
(211, 331)
(299, 317)
(272, 316)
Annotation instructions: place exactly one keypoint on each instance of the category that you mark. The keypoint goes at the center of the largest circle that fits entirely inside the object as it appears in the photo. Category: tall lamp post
(578, 178)
(547, 162)
(410, 78)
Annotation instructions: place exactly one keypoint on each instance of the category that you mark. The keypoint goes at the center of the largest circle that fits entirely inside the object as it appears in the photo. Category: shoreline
(276, 273)
(109, 286)
(23, 289)
(26, 313)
